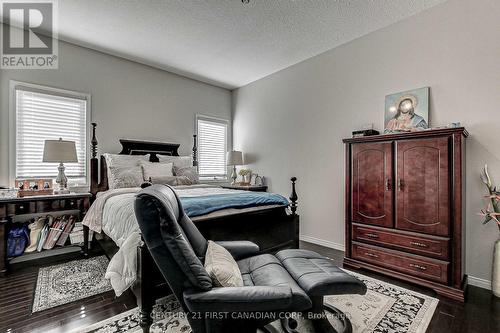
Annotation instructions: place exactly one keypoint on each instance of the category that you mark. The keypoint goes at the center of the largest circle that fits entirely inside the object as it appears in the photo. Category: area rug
(69, 282)
(385, 308)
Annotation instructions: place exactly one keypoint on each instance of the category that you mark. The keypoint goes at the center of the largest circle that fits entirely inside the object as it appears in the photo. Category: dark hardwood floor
(481, 312)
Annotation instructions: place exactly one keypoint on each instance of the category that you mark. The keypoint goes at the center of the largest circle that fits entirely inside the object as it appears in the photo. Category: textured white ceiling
(225, 42)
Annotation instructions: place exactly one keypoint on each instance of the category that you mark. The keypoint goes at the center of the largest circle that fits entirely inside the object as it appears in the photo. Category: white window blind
(212, 146)
(43, 116)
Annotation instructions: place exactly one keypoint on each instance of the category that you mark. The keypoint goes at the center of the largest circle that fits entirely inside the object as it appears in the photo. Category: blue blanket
(196, 206)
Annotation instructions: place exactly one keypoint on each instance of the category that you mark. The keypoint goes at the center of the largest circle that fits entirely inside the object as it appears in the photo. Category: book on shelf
(43, 237)
(54, 233)
(66, 231)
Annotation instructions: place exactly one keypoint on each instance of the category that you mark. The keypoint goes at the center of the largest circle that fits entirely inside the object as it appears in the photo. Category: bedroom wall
(129, 100)
(292, 122)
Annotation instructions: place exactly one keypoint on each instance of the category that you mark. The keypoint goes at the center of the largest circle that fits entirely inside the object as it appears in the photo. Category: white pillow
(222, 267)
(156, 171)
(178, 161)
(124, 170)
(190, 172)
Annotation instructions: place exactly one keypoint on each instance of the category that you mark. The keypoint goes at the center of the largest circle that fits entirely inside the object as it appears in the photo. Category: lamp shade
(60, 151)
(234, 157)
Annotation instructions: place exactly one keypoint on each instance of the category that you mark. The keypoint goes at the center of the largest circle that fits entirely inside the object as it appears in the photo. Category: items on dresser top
(33, 187)
(8, 193)
(234, 158)
(244, 187)
(405, 207)
(60, 151)
(364, 132)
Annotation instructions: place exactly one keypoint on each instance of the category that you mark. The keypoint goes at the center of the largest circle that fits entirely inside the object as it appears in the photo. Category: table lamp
(60, 151)
(234, 158)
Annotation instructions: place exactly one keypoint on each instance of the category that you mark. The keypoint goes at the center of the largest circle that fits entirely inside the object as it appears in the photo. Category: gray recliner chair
(293, 281)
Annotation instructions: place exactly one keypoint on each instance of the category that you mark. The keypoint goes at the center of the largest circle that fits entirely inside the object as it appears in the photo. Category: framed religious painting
(407, 111)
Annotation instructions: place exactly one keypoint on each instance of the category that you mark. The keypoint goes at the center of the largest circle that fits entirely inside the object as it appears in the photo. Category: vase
(495, 280)
(247, 178)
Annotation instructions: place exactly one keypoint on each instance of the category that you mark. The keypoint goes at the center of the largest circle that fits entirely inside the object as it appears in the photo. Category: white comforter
(113, 214)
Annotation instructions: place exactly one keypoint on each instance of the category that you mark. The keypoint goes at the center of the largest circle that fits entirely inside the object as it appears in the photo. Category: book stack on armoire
(405, 207)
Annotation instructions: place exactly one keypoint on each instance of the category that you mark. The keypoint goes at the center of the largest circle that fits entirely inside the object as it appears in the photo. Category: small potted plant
(246, 174)
(492, 213)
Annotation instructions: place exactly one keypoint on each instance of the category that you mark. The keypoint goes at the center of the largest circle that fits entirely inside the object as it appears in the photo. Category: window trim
(215, 120)
(13, 85)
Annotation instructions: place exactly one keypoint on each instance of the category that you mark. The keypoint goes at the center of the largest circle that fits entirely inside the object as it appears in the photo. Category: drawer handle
(418, 244)
(371, 255)
(370, 235)
(21, 207)
(422, 268)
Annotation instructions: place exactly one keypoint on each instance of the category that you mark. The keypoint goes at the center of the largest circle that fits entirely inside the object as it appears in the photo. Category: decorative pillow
(178, 161)
(171, 180)
(190, 172)
(183, 180)
(222, 267)
(156, 171)
(124, 170)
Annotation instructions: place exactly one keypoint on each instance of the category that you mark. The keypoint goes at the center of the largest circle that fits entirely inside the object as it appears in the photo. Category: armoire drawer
(435, 247)
(418, 266)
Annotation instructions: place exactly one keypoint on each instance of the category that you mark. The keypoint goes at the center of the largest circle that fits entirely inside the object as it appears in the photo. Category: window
(212, 147)
(43, 113)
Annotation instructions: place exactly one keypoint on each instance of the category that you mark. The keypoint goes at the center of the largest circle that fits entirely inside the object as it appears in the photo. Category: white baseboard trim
(472, 280)
(322, 242)
(477, 282)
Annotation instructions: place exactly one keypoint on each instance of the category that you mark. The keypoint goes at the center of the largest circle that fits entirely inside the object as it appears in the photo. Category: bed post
(293, 197)
(295, 217)
(195, 151)
(94, 165)
(94, 184)
(143, 290)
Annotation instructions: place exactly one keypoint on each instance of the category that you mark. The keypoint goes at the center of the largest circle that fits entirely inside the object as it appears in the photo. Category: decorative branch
(492, 211)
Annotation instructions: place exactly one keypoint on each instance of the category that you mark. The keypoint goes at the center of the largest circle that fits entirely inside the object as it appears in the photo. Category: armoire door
(422, 186)
(372, 198)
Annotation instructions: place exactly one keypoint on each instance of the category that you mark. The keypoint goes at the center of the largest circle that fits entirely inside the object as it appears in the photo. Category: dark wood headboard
(98, 167)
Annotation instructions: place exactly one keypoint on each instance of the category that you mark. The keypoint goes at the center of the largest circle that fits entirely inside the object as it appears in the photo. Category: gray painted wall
(292, 122)
(129, 100)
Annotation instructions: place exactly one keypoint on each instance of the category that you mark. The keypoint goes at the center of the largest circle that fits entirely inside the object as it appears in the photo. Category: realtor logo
(29, 38)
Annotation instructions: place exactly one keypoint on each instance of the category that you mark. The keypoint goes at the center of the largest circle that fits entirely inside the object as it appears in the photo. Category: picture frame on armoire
(407, 111)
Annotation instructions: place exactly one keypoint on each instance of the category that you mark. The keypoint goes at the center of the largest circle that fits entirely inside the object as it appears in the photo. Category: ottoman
(319, 277)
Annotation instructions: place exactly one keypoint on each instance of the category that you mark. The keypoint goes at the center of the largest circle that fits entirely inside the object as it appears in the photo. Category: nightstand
(26, 208)
(253, 188)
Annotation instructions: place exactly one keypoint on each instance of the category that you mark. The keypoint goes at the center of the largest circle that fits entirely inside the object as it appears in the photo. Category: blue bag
(17, 240)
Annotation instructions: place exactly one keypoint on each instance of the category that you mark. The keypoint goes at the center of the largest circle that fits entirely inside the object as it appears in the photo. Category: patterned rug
(69, 282)
(385, 308)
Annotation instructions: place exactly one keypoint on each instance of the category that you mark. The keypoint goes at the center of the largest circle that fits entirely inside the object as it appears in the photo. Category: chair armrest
(239, 299)
(240, 249)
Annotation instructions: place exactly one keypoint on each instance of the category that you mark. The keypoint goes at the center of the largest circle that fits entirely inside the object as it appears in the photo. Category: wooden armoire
(405, 207)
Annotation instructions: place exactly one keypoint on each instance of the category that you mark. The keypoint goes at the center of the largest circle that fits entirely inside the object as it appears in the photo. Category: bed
(273, 226)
